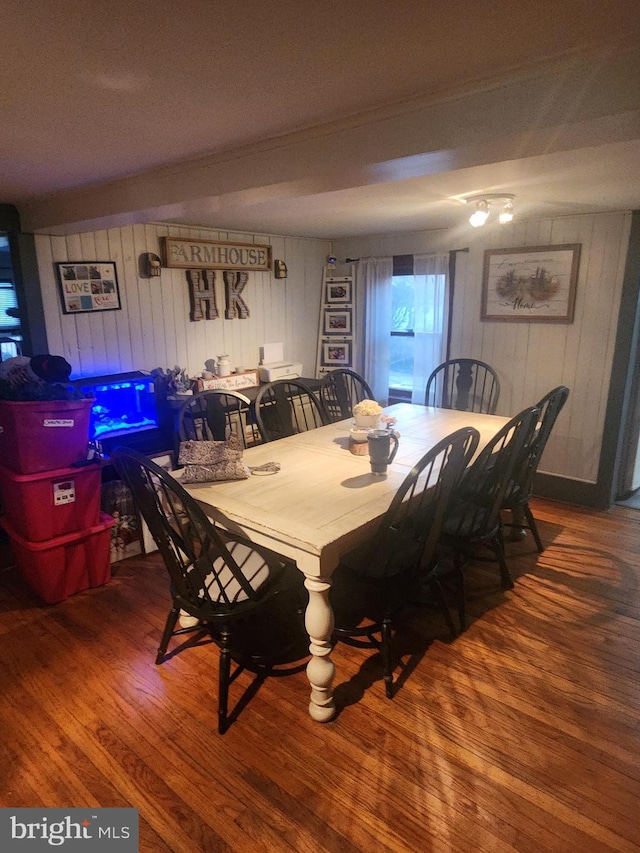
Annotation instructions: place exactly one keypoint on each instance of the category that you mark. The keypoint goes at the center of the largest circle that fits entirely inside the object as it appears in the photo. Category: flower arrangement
(366, 414)
(367, 408)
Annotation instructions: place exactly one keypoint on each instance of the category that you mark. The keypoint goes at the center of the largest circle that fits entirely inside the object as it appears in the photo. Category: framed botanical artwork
(338, 292)
(337, 322)
(88, 286)
(336, 354)
(531, 284)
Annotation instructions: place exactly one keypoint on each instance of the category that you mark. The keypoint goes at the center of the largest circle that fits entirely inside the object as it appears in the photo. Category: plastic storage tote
(51, 503)
(64, 565)
(41, 435)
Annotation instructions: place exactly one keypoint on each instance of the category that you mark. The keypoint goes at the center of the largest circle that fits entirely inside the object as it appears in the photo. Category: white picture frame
(337, 322)
(338, 292)
(336, 353)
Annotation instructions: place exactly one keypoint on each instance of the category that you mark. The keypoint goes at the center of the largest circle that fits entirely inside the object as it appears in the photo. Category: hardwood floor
(520, 735)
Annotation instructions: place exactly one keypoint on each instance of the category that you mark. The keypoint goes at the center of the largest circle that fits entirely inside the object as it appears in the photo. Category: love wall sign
(201, 259)
(88, 286)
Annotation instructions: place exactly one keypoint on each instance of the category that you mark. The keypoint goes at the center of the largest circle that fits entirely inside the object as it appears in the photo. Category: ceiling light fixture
(480, 214)
(506, 214)
(483, 203)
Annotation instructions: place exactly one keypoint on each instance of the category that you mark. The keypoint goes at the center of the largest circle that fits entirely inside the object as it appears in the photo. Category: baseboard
(570, 491)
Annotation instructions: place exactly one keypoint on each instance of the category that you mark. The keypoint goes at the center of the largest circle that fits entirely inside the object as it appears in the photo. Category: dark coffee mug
(381, 453)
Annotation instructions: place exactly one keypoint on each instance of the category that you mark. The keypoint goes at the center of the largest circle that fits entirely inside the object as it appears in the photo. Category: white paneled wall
(153, 328)
(532, 358)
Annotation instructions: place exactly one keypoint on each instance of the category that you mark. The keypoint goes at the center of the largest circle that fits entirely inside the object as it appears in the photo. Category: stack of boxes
(59, 537)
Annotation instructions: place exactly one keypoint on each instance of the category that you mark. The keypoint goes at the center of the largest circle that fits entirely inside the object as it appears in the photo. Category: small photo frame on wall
(88, 286)
(336, 354)
(337, 322)
(338, 292)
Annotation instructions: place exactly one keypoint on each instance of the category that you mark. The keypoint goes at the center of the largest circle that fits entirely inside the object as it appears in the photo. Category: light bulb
(506, 214)
(479, 215)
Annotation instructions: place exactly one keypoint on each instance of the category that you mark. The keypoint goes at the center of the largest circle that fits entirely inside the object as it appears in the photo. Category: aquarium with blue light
(124, 408)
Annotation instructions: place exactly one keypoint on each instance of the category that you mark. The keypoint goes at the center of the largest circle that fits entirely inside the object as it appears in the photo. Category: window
(402, 336)
(418, 329)
(9, 322)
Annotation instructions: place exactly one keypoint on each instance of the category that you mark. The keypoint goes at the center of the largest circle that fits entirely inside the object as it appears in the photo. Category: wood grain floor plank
(520, 735)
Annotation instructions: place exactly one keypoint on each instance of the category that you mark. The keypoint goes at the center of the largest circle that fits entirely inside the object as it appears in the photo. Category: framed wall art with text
(183, 253)
(533, 284)
(88, 286)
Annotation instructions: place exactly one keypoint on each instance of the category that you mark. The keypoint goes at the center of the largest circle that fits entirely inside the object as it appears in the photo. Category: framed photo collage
(337, 323)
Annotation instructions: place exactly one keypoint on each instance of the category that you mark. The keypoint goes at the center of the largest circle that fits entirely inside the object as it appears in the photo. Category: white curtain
(377, 274)
(431, 287)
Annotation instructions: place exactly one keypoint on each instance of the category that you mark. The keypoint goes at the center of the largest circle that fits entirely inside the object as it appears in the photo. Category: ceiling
(327, 118)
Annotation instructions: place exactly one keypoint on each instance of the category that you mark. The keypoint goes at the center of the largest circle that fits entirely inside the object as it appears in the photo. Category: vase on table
(366, 421)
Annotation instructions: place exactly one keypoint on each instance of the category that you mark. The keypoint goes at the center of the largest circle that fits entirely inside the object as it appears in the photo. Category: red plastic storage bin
(51, 503)
(41, 435)
(64, 565)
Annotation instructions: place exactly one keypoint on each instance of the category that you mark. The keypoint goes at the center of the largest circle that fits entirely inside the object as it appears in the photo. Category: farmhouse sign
(182, 253)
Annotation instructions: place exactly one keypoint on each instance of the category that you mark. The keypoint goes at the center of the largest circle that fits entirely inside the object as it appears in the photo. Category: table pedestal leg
(320, 669)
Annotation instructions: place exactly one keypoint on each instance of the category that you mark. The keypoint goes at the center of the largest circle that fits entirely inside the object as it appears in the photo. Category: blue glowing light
(122, 407)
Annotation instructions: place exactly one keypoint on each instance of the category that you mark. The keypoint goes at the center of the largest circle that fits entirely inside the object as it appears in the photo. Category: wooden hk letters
(202, 294)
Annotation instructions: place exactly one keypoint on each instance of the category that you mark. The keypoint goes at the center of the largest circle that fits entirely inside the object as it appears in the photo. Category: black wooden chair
(464, 384)
(223, 582)
(215, 415)
(340, 391)
(287, 407)
(473, 518)
(377, 579)
(518, 495)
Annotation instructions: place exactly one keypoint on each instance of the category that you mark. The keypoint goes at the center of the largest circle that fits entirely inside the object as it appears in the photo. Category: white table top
(325, 500)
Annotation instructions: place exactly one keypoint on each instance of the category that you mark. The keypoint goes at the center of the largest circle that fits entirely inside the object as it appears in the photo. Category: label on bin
(64, 492)
(58, 422)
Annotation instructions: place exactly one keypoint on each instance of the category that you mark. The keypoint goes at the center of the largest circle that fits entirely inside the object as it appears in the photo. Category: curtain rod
(354, 260)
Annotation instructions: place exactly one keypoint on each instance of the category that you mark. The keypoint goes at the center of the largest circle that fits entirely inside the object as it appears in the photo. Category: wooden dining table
(322, 502)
